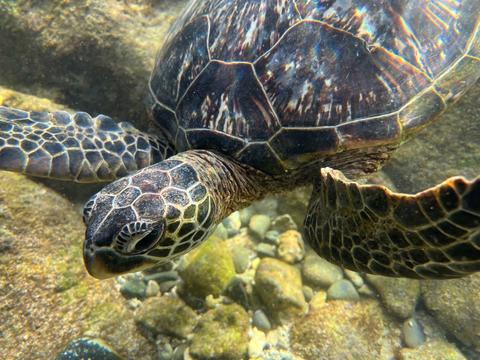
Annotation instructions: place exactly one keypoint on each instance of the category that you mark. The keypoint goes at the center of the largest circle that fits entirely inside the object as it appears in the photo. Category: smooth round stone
(271, 237)
(85, 348)
(266, 250)
(164, 350)
(284, 223)
(179, 352)
(319, 272)
(260, 321)
(220, 232)
(152, 289)
(241, 259)
(233, 223)
(412, 333)
(291, 248)
(259, 225)
(134, 288)
(308, 293)
(162, 276)
(267, 206)
(167, 286)
(246, 214)
(342, 290)
(354, 277)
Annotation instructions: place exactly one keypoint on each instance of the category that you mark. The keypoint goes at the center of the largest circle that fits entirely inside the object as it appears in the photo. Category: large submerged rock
(46, 296)
(102, 52)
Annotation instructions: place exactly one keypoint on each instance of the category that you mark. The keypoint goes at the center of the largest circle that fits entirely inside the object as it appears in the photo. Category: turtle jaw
(103, 263)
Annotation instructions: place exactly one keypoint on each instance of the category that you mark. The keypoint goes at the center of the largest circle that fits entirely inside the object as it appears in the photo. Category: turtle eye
(87, 209)
(138, 237)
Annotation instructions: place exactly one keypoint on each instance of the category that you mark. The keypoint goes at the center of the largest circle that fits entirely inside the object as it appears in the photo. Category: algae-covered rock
(456, 306)
(166, 315)
(100, 60)
(46, 296)
(291, 248)
(399, 295)
(432, 350)
(209, 269)
(279, 286)
(343, 330)
(222, 333)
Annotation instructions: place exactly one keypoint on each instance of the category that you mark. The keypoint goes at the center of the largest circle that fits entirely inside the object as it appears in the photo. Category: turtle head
(148, 218)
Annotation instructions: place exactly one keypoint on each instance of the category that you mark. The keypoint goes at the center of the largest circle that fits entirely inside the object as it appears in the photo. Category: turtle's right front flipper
(74, 147)
(432, 234)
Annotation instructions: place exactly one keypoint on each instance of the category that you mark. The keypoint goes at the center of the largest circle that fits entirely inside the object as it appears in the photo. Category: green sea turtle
(252, 97)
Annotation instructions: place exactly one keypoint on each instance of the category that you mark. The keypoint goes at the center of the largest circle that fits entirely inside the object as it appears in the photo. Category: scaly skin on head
(165, 210)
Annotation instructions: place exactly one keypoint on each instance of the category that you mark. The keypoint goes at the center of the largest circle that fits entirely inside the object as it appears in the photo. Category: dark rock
(88, 349)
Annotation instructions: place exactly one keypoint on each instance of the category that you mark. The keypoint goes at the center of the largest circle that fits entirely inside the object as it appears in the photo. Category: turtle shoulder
(279, 84)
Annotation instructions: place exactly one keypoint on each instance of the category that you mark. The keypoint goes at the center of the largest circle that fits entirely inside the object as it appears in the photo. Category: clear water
(225, 301)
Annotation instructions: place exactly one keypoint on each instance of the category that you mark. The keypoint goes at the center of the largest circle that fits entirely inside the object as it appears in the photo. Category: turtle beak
(104, 263)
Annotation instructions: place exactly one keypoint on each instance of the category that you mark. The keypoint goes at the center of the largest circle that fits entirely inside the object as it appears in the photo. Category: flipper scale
(74, 147)
(432, 234)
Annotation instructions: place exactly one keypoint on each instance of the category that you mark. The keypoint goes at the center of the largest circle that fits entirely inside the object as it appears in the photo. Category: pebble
(342, 290)
(279, 286)
(266, 250)
(162, 276)
(271, 237)
(179, 352)
(259, 225)
(307, 292)
(232, 224)
(354, 277)
(260, 321)
(237, 291)
(284, 223)
(291, 248)
(319, 272)
(241, 259)
(246, 214)
(85, 348)
(220, 232)
(412, 333)
(134, 288)
(267, 206)
(164, 350)
(167, 286)
(153, 289)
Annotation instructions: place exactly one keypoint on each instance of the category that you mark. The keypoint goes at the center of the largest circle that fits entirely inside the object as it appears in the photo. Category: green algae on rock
(222, 333)
(279, 286)
(166, 315)
(43, 282)
(208, 269)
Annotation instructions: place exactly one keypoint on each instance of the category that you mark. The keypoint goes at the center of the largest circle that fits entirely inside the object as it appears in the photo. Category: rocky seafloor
(254, 290)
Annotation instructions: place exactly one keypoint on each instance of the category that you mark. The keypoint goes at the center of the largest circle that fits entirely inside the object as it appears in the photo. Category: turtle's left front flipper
(74, 147)
(434, 234)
